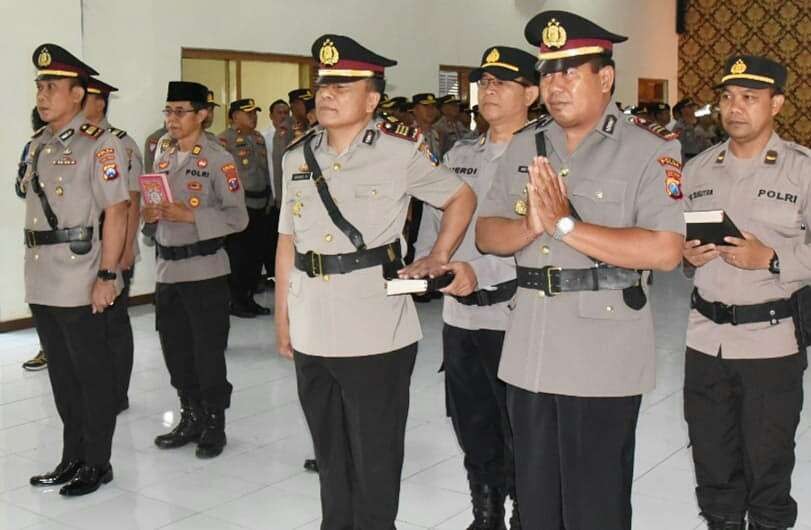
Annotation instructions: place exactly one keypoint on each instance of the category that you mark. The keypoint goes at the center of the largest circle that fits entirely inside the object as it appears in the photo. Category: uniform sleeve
(149, 154)
(497, 201)
(136, 166)
(427, 179)
(231, 216)
(285, 214)
(658, 200)
(794, 254)
(109, 183)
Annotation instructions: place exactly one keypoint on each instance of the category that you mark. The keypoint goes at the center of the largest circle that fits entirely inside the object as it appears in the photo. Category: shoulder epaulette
(537, 123)
(653, 128)
(294, 143)
(803, 150)
(39, 131)
(91, 130)
(399, 129)
(118, 132)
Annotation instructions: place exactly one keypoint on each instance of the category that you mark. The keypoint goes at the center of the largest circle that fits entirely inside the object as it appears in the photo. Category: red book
(155, 188)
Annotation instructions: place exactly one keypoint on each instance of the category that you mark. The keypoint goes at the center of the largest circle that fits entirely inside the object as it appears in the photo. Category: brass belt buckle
(30, 240)
(549, 271)
(316, 264)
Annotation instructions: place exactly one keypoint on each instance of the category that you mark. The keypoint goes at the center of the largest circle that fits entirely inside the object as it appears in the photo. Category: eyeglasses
(497, 84)
(177, 112)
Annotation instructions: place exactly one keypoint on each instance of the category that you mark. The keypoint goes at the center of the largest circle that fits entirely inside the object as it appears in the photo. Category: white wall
(136, 46)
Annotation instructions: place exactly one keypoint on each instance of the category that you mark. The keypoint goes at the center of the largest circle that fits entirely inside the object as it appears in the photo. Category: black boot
(721, 523)
(187, 430)
(515, 517)
(213, 440)
(488, 508)
(754, 525)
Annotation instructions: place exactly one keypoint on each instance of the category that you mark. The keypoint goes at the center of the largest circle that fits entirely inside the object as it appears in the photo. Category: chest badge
(194, 202)
(520, 207)
(202, 163)
(298, 206)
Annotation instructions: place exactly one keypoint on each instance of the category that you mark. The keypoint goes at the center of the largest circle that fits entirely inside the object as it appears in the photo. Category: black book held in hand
(422, 285)
(710, 226)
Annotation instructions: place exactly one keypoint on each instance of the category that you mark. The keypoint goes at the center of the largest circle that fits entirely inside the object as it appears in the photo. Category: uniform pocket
(303, 201)
(601, 202)
(605, 305)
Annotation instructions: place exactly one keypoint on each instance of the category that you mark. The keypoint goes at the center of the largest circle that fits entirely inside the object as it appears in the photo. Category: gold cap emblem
(44, 58)
(329, 53)
(493, 56)
(738, 68)
(554, 35)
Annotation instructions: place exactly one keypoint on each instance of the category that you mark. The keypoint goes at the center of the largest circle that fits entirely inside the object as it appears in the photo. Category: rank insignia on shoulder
(673, 184)
(110, 171)
(298, 141)
(39, 131)
(428, 153)
(117, 132)
(771, 157)
(196, 150)
(399, 129)
(369, 137)
(720, 158)
(653, 128)
(668, 161)
(609, 124)
(91, 130)
(231, 177)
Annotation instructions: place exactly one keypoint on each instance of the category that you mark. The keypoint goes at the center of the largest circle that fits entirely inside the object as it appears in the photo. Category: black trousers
(119, 337)
(742, 416)
(246, 253)
(574, 459)
(80, 367)
(193, 321)
(356, 409)
(476, 402)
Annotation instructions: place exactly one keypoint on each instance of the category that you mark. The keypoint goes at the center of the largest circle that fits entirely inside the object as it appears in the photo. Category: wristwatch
(563, 227)
(107, 275)
(774, 264)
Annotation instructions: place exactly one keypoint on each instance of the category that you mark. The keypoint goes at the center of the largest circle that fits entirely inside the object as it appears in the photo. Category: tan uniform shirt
(250, 153)
(586, 343)
(476, 162)
(150, 147)
(206, 180)
(372, 181)
(135, 166)
(82, 170)
(281, 138)
(450, 132)
(768, 196)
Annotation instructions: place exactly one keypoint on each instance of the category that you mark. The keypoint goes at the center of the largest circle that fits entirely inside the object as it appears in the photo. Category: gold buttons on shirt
(336, 166)
(373, 193)
(609, 308)
(328, 238)
(564, 172)
(48, 150)
(599, 195)
(36, 257)
(545, 250)
(35, 220)
(73, 256)
(325, 277)
(541, 294)
(60, 190)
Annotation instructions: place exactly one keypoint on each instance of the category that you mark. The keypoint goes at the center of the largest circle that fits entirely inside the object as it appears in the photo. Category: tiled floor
(259, 482)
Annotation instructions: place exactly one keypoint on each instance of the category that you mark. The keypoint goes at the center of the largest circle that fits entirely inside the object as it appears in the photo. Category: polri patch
(669, 161)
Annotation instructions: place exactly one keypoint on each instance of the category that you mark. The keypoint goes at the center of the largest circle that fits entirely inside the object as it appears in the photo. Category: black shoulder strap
(335, 214)
(53, 221)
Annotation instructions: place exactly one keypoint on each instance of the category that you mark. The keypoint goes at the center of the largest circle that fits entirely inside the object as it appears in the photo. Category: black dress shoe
(242, 310)
(311, 465)
(258, 309)
(124, 405)
(62, 474)
(187, 430)
(87, 480)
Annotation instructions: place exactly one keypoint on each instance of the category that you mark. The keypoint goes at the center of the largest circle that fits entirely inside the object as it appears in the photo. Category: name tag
(302, 176)
(523, 169)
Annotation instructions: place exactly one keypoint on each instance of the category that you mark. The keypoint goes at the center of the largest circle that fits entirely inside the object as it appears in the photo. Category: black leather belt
(264, 194)
(556, 280)
(721, 313)
(315, 264)
(483, 297)
(201, 248)
(35, 238)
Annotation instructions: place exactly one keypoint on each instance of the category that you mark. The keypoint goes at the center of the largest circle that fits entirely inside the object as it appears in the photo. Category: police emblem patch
(231, 177)
(673, 184)
(110, 171)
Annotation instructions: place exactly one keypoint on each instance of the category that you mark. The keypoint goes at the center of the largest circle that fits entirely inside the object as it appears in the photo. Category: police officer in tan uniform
(599, 203)
(245, 249)
(76, 172)
(150, 146)
(191, 295)
(474, 324)
(448, 126)
(345, 193)
(743, 388)
(120, 330)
